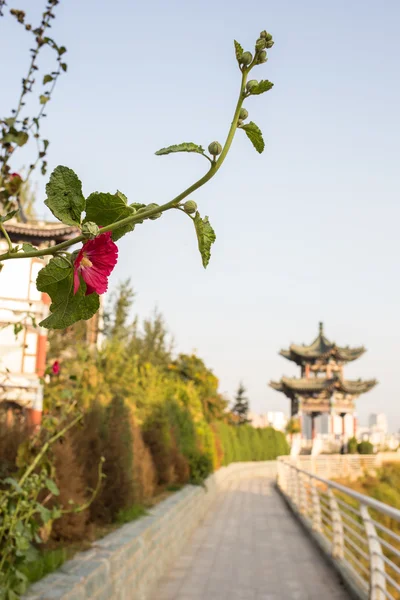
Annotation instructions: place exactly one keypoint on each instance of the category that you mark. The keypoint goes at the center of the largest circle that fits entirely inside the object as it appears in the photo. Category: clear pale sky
(307, 231)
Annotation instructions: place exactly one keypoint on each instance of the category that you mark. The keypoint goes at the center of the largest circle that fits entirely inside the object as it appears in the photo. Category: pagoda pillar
(343, 415)
(313, 417)
(354, 426)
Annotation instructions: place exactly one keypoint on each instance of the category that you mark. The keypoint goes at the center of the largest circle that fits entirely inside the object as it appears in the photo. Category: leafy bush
(365, 448)
(126, 515)
(352, 445)
(200, 466)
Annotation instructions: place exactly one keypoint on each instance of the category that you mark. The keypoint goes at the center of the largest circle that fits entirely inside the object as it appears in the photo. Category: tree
(241, 407)
(292, 427)
(118, 309)
(190, 367)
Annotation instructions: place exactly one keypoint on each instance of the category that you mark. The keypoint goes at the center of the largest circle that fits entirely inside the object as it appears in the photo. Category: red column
(34, 414)
(307, 370)
(354, 425)
(312, 426)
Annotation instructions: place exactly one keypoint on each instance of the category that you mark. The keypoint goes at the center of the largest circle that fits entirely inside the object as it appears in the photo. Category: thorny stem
(145, 214)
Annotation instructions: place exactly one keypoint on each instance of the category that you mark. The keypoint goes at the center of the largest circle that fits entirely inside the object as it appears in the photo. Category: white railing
(338, 466)
(361, 534)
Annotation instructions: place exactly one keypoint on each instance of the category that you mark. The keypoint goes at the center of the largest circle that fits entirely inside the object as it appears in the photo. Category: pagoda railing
(361, 535)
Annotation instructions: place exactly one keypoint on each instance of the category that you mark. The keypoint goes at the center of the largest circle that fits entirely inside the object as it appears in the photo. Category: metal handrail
(375, 568)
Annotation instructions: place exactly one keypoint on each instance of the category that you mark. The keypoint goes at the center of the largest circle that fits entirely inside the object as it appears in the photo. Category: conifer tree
(241, 407)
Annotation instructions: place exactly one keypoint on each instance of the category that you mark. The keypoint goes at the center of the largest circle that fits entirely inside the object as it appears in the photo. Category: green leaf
(255, 136)
(205, 236)
(45, 513)
(28, 248)
(57, 280)
(9, 216)
(64, 196)
(263, 86)
(63, 66)
(43, 99)
(61, 50)
(51, 486)
(184, 147)
(14, 483)
(238, 50)
(104, 209)
(15, 137)
(47, 79)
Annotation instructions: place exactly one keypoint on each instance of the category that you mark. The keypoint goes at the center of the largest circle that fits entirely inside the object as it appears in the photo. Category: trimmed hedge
(246, 443)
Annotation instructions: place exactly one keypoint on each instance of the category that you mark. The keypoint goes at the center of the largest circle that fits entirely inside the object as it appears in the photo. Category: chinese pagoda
(321, 388)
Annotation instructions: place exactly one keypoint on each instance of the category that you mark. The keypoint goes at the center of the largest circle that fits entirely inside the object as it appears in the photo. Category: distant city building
(275, 419)
(378, 422)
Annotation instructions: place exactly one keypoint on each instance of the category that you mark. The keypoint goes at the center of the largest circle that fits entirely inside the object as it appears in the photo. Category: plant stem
(4, 232)
(45, 448)
(145, 214)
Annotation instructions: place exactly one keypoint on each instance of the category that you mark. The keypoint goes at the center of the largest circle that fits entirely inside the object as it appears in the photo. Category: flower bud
(267, 36)
(246, 59)
(215, 148)
(269, 43)
(90, 230)
(157, 215)
(243, 114)
(240, 122)
(262, 57)
(260, 44)
(251, 84)
(13, 184)
(190, 207)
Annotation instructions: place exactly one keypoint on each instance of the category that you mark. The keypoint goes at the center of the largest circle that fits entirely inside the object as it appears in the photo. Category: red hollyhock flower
(55, 369)
(95, 262)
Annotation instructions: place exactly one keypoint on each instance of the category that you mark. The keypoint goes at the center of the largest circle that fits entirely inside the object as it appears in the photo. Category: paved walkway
(250, 548)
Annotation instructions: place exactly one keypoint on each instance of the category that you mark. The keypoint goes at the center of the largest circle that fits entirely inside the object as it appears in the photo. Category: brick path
(250, 548)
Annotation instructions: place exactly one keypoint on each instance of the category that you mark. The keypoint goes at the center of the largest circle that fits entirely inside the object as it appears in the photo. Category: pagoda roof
(321, 349)
(38, 232)
(293, 385)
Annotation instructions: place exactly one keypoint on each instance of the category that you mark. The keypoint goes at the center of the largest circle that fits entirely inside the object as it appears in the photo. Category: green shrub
(157, 436)
(352, 445)
(125, 515)
(200, 465)
(365, 448)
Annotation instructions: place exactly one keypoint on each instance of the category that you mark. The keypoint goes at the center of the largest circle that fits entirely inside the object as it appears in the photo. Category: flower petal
(95, 279)
(77, 282)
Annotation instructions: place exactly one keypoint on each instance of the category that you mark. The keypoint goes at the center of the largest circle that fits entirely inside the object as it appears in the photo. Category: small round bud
(251, 84)
(243, 114)
(246, 59)
(240, 122)
(260, 44)
(215, 148)
(90, 230)
(269, 44)
(157, 215)
(262, 57)
(267, 36)
(190, 207)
